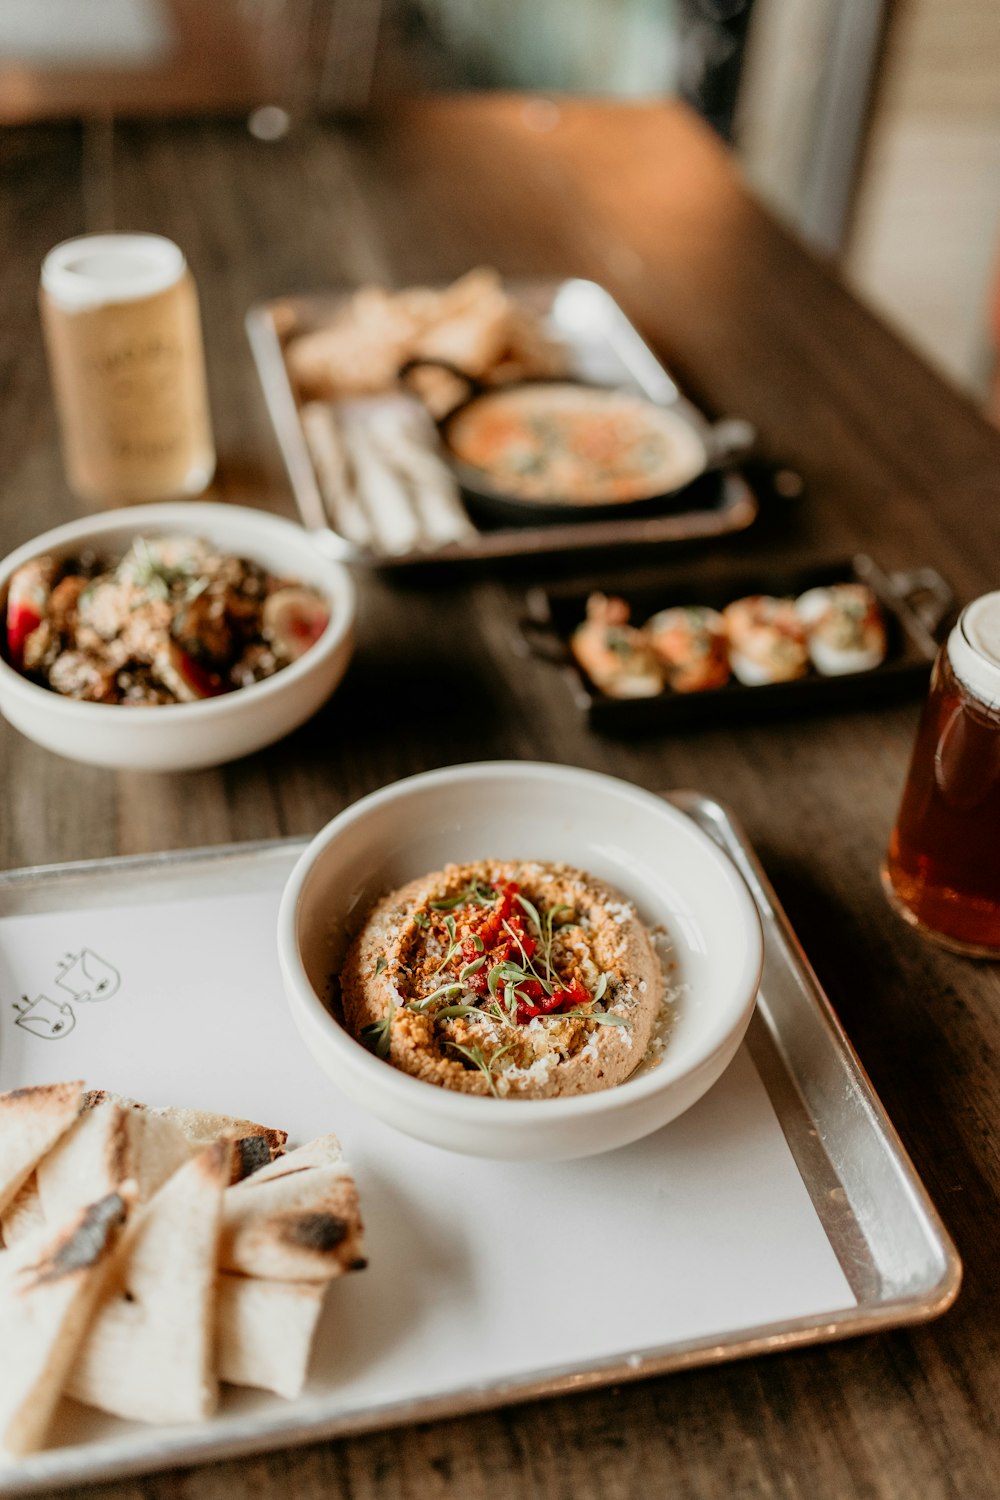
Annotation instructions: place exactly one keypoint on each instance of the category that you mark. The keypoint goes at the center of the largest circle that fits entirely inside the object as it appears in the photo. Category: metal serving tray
(604, 347)
(914, 606)
(895, 1256)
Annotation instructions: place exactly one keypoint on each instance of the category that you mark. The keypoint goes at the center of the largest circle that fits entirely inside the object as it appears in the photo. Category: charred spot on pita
(252, 1152)
(85, 1244)
(320, 1232)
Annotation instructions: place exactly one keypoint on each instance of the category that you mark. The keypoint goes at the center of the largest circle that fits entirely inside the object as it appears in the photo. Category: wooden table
(643, 200)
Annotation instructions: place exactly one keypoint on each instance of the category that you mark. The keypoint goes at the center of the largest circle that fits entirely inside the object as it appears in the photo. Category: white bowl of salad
(170, 637)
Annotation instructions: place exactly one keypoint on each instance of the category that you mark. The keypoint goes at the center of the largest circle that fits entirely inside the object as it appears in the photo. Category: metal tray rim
(254, 1433)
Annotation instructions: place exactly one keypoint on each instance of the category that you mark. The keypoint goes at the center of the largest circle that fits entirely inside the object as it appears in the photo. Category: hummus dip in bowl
(642, 859)
(521, 979)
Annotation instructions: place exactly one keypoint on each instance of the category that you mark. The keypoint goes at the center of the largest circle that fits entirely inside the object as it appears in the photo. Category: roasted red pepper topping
(499, 934)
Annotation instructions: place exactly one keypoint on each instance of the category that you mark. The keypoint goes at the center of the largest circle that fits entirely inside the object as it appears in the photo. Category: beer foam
(98, 269)
(974, 648)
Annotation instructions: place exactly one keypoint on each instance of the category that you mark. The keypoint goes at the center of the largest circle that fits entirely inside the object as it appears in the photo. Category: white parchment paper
(478, 1270)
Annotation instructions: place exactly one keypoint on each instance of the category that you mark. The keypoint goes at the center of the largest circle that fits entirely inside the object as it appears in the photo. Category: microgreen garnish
(532, 911)
(155, 577)
(438, 994)
(600, 987)
(529, 971)
(422, 919)
(602, 1017)
(473, 968)
(376, 1036)
(495, 978)
(473, 895)
(453, 940)
(381, 963)
(547, 932)
(485, 1064)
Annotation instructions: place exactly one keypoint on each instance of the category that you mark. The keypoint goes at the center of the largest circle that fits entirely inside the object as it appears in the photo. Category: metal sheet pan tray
(603, 347)
(914, 606)
(401, 1338)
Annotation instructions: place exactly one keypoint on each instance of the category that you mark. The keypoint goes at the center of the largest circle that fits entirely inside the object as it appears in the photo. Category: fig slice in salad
(187, 679)
(27, 600)
(294, 619)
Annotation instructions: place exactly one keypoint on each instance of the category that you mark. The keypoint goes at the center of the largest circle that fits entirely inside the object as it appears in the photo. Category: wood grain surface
(643, 200)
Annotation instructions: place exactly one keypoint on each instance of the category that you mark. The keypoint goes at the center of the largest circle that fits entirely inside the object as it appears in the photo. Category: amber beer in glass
(942, 872)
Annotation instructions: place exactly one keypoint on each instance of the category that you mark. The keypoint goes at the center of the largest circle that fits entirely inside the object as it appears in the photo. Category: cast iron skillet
(722, 442)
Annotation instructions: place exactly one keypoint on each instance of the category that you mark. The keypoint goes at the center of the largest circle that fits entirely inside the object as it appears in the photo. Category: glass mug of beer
(942, 872)
(123, 334)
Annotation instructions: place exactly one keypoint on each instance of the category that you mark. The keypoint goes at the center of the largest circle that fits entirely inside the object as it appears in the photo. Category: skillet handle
(473, 387)
(729, 440)
(929, 596)
(537, 635)
(541, 641)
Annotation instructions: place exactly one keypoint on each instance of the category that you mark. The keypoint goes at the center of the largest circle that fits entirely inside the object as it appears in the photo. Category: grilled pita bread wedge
(255, 1144)
(23, 1215)
(91, 1159)
(265, 1331)
(114, 1139)
(48, 1287)
(149, 1351)
(295, 1220)
(31, 1121)
(324, 1151)
(159, 1148)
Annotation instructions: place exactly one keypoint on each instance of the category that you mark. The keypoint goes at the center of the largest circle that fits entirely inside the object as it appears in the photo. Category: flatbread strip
(90, 1160)
(48, 1286)
(295, 1220)
(111, 1142)
(23, 1214)
(31, 1121)
(254, 1144)
(265, 1331)
(149, 1352)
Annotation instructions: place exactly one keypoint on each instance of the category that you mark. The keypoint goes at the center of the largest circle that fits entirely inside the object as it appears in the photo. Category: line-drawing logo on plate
(49, 1019)
(87, 976)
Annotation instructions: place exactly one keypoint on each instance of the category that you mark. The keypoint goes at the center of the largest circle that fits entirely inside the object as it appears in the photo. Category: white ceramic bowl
(183, 736)
(653, 854)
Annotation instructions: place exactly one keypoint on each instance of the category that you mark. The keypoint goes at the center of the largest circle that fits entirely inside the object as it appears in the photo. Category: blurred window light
(85, 33)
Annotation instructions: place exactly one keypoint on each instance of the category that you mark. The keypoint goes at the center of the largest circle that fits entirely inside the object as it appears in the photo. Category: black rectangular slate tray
(915, 604)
